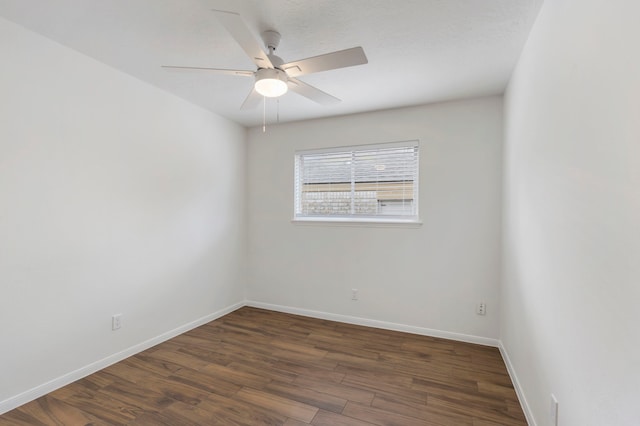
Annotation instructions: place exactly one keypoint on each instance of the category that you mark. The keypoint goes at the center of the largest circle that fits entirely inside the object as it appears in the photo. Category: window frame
(355, 219)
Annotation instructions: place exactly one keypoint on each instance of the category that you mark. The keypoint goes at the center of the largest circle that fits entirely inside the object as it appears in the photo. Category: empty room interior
(437, 223)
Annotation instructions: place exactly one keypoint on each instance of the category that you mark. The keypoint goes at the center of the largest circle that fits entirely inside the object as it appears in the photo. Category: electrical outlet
(116, 321)
(354, 294)
(553, 411)
(481, 308)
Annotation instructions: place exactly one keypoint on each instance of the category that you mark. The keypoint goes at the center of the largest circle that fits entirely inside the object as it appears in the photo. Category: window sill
(360, 222)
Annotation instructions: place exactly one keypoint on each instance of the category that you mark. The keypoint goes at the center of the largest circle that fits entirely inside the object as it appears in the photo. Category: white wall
(115, 197)
(428, 278)
(572, 214)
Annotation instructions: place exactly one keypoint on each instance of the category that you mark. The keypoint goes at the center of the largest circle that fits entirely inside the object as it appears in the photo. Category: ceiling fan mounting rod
(271, 40)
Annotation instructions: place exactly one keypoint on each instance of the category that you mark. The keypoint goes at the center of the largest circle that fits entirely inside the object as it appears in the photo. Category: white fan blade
(311, 92)
(243, 73)
(252, 100)
(330, 61)
(242, 34)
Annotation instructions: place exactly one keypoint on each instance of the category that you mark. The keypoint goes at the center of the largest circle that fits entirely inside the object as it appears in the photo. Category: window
(376, 183)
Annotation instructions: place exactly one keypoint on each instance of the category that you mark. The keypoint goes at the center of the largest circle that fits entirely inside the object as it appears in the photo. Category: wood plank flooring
(255, 367)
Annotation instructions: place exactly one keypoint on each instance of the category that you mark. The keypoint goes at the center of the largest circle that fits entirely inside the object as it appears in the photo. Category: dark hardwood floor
(255, 367)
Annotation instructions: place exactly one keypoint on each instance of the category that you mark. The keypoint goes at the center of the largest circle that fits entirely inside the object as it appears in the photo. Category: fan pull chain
(264, 114)
(278, 111)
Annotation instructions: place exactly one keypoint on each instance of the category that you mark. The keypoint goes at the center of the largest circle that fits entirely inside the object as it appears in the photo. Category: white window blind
(358, 183)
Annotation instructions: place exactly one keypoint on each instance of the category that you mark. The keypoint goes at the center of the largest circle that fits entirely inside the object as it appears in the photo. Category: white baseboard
(377, 324)
(516, 384)
(38, 391)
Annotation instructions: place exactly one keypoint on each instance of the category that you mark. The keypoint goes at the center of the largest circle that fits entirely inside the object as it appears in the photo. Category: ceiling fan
(273, 76)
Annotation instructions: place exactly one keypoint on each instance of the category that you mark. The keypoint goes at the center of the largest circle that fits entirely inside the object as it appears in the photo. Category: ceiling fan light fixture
(271, 82)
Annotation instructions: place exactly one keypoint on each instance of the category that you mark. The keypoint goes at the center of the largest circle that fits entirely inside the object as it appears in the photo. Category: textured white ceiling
(419, 51)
